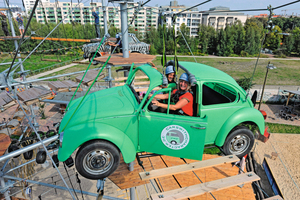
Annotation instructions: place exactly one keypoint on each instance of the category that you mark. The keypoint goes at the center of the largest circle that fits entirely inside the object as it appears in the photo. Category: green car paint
(116, 116)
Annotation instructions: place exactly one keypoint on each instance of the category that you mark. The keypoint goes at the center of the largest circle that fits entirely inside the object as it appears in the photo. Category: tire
(91, 57)
(40, 157)
(239, 142)
(97, 159)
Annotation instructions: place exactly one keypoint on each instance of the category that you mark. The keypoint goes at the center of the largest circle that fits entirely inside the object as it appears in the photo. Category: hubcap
(98, 162)
(239, 144)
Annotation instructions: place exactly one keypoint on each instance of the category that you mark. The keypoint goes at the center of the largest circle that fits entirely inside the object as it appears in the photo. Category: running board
(203, 188)
(188, 167)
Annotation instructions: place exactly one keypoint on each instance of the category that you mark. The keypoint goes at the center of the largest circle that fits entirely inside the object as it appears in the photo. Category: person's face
(183, 85)
(171, 77)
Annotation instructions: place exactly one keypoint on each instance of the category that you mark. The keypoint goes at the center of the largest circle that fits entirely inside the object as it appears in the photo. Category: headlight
(61, 136)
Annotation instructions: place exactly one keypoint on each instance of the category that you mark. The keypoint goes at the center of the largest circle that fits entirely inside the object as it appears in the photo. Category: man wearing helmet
(182, 98)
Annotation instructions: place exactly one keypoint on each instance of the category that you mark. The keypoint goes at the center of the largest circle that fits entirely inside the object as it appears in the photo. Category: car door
(172, 135)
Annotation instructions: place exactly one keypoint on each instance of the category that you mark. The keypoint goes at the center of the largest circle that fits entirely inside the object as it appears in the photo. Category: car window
(217, 93)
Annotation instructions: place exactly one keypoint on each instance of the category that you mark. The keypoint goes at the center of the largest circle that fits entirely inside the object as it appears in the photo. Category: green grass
(287, 72)
(34, 62)
(283, 128)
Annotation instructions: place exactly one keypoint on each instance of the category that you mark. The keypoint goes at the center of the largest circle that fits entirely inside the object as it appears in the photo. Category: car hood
(117, 101)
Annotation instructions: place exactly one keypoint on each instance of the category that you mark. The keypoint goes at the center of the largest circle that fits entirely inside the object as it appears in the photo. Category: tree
(288, 44)
(239, 37)
(250, 41)
(221, 43)
(229, 40)
(206, 35)
(273, 39)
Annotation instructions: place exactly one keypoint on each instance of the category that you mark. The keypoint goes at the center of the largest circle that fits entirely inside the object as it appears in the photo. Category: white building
(30, 3)
(218, 17)
(55, 12)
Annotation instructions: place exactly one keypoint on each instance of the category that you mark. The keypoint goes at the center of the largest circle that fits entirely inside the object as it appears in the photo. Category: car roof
(207, 73)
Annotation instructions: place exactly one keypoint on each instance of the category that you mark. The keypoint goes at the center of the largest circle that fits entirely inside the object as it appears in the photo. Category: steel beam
(59, 187)
(28, 148)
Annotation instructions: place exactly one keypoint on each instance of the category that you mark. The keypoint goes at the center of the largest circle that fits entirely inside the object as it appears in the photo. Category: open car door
(170, 134)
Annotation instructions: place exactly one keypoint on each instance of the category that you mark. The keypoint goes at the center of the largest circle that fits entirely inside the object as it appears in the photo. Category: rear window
(217, 93)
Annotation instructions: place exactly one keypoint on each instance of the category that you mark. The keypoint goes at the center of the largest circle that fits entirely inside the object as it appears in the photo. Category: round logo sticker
(175, 137)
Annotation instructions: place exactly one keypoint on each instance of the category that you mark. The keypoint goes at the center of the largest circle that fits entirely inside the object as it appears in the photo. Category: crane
(289, 9)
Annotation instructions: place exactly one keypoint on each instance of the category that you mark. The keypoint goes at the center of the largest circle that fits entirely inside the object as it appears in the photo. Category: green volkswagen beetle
(117, 121)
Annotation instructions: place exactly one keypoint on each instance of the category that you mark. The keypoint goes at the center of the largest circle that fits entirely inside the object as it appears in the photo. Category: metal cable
(187, 45)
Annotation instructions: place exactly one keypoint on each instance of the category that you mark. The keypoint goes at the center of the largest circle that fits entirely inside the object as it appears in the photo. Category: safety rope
(163, 57)
(79, 182)
(175, 46)
(187, 45)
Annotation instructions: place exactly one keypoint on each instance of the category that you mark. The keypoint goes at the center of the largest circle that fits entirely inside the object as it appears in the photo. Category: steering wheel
(135, 94)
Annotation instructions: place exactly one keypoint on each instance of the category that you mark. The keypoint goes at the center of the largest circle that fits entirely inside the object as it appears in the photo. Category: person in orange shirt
(182, 97)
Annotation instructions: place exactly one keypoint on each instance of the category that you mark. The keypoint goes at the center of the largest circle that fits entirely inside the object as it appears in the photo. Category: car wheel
(239, 142)
(97, 159)
(91, 57)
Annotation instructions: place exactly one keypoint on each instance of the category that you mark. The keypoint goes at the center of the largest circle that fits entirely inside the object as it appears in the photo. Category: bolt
(160, 196)
(249, 175)
(147, 173)
(230, 156)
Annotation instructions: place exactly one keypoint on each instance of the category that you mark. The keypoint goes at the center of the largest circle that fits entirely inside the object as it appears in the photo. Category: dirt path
(286, 167)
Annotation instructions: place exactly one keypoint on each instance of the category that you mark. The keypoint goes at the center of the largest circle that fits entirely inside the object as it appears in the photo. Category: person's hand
(155, 103)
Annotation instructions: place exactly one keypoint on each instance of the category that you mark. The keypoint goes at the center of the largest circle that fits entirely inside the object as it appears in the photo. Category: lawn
(34, 62)
(287, 72)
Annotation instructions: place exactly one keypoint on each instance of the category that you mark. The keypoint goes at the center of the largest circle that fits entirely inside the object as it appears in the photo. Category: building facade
(56, 12)
(219, 17)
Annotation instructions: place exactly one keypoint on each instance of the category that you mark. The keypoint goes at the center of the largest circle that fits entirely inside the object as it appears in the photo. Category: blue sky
(232, 4)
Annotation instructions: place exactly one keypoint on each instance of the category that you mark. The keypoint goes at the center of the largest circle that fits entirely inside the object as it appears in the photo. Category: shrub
(245, 83)
(244, 54)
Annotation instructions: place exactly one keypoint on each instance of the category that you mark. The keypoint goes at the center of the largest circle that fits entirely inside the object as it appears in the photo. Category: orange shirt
(188, 108)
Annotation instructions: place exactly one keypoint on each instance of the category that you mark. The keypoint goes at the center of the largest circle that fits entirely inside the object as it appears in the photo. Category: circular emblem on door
(175, 137)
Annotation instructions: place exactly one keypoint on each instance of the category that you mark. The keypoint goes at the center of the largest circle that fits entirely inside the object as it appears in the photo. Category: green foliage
(245, 83)
(283, 128)
(152, 50)
(273, 39)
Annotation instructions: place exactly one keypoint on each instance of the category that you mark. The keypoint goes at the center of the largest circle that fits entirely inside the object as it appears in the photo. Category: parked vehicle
(116, 120)
(134, 46)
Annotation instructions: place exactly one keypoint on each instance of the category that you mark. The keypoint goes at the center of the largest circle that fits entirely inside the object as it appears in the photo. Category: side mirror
(254, 97)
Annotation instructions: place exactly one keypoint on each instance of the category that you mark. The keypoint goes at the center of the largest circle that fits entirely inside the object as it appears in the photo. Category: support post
(2, 183)
(132, 194)
(14, 35)
(104, 18)
(109, 77)
(124, 29)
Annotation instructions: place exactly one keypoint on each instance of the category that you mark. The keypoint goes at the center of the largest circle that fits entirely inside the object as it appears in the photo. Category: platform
(126, 179)
(117, 60)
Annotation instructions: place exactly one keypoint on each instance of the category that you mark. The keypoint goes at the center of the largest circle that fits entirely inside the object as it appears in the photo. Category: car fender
(240, 116)
(78, 135)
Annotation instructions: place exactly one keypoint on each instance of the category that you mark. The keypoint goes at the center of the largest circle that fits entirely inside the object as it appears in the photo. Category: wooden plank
(5, 97)
(118, 60)
(135, 83)
(30, 102)
(61, 39)
(188, 167)
(6, 131)
(2, 102)
(4, 143)
(204, 188)
(277, 197)
(19, 115)
(33, 93)
(125, 78)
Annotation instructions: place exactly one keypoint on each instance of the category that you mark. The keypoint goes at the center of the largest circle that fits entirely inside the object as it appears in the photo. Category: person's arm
(160, 96)
(177, 106)
(21, 18)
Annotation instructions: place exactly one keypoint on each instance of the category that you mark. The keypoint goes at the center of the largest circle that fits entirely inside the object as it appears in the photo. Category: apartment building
(30, 3)
(218, 17)
(55, 12)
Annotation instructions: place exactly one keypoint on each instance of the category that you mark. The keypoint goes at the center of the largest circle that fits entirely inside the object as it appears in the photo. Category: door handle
(202, 127)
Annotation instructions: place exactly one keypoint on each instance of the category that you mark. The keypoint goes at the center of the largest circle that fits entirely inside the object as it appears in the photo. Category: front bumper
(265, 137)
